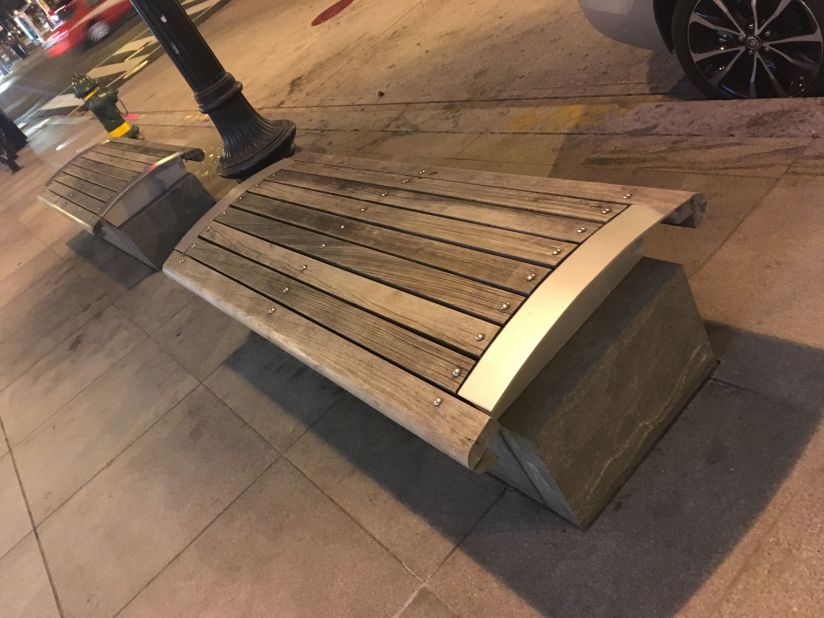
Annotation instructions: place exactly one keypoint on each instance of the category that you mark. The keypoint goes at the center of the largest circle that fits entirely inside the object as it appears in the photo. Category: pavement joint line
(199, 534)
(34, 529)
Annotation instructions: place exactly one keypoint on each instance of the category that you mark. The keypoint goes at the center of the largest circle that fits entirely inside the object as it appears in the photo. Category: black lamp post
(250, 141)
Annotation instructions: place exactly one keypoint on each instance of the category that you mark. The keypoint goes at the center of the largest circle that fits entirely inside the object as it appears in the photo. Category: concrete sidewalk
(159, 460)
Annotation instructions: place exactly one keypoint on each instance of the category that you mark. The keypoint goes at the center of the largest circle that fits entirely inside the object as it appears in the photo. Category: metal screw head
(530, 277)
(626, 196)
(342, 226)
(208, 227)
(556, 252)
(286, 290)
(194, 244)
(479, 337)
(323, 245)
(606, 210)
(405, 180)
(223, 213)
(240, 198)
(581, 230)
(181, 260)
(302, 267)
(384, 194)
(422, 172)
(271, 309)
(363, 209)
(437, 403)
(456, 372)
(504, 306)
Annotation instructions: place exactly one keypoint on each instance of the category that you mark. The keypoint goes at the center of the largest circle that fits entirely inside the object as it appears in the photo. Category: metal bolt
(405, 180)
(181, 261)
(384, 194)
(286, 290)
(627, 196)
(479, 337)
(505, 306)
(342, 226)
(581, 230)
(437, 403)
(556, 252)
(456, 372)
(606, 211)
(302, 267)
(363, 209)
(271, 309)
(422, 172)
(208, 227)
(530, 277)
(240, 198)
(323, 245)
(223, 213)
(194, 244)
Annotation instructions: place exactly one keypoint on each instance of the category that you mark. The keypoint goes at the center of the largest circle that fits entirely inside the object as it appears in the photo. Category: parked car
(85, 22)
(728, 48)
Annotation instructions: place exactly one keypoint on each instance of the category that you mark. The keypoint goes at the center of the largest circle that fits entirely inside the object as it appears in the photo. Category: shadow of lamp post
(250, 141)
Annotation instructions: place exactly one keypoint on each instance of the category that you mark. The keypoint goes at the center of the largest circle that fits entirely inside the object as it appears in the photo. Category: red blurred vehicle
(86, 22)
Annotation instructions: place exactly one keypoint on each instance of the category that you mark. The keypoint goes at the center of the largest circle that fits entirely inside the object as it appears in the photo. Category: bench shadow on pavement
(673, 523)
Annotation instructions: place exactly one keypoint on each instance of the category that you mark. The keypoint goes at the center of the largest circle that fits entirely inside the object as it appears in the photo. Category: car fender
(633, 22)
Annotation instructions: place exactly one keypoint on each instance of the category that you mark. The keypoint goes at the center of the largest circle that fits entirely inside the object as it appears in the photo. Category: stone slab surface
(154, 301)
(113, 536)
(426, 604)
(24, 584)
(14, 517)
(419, 507)
(283, 544)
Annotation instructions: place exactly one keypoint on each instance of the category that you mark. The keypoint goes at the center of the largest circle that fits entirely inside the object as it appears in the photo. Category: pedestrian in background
(12, 139)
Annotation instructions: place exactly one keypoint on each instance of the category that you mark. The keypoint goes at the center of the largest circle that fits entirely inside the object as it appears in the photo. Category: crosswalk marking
(61, 101)
(136, 45)
(113, 69)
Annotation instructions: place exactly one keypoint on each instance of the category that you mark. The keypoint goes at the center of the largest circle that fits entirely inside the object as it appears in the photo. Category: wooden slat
(455, 428)
(428, 318)
(107, 182)
(130, 154)
(443, 182)
(532, 223)
(491, 269)
(103, 168)
(552, 186)
(414, 353)
(472, 297)
(88, 202)
(515, 245)
(85, 218)
(160, 150)
(125, 164)
(94, 190)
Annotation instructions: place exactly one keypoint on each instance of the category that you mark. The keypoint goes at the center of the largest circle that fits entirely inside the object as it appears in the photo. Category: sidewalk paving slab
(66, 370)
(154, 301)
(98, 424)
(25, 589)
(278, 396)
(14, 517)
(113, 536)
(410, 497)
(282, 548)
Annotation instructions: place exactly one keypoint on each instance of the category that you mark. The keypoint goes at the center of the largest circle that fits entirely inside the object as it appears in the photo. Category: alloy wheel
(99, 31)
(756, 48)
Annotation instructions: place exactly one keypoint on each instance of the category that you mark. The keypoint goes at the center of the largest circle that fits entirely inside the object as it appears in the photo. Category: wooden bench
(435, 295)
(137, 195)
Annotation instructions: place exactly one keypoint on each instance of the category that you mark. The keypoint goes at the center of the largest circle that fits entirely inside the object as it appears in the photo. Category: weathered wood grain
(454, 328)
(107, 182)
(416, 354)
(472, 297)
(484, 267)
(84, 186)
(442, 181)
(454, 427)
(515, 245)
(85, 218)
(129, 154)
(105, 169)
(120, 162)
(553, 186)
(88, 202)
(161, 151)
(488, 215)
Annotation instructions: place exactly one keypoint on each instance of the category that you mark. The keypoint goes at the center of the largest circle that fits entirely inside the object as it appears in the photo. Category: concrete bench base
(585, 423)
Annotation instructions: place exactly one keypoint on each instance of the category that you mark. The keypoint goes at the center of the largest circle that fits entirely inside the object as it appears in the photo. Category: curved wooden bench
(435, 295)
(135, 194)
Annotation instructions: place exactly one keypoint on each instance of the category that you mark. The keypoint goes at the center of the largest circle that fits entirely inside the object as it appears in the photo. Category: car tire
(729, 54)
(98, 31)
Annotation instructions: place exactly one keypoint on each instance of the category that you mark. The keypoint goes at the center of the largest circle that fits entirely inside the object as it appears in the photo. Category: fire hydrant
(103, 104)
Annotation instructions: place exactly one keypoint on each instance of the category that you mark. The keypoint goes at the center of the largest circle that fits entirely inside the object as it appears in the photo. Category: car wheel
(748, 49)
(98, 31)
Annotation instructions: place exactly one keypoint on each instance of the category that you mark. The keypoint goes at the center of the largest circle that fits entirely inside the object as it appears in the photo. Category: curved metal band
(558, 308)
